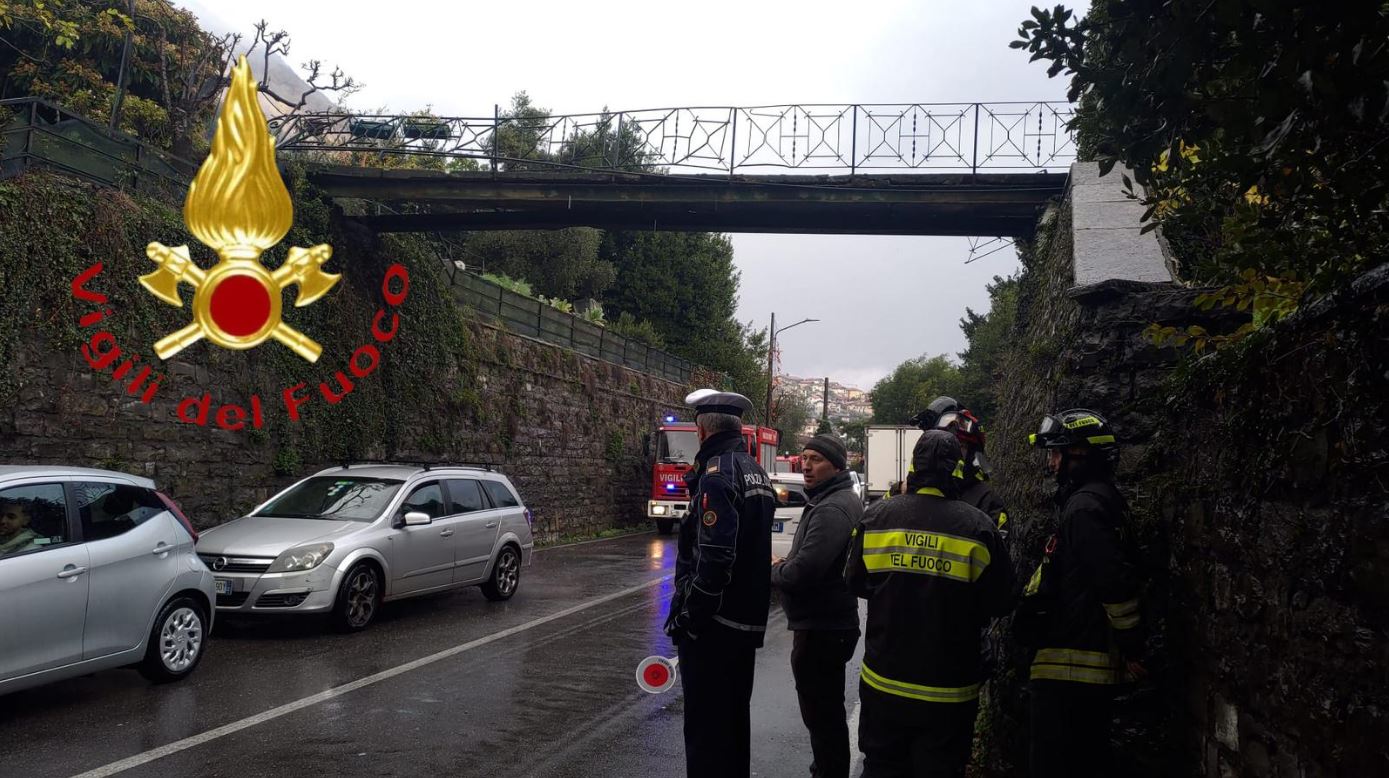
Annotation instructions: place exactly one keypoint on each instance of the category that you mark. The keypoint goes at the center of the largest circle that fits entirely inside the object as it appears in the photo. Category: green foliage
(686, 286)
(1270, 298)
(790, 414)
(55, 227)
(987, 335)
(1258, 137)
(507, 282)
(912, 386)
(556, 263)
(287, 462)
(855, 434)
(595, 315)
(70, 52)
(612, 450)
(560, 305)
(642, 331)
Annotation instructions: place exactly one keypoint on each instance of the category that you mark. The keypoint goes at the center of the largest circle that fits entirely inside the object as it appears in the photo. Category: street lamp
(771, 355)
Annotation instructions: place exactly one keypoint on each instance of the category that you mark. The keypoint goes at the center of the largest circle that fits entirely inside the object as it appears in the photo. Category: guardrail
(38, 133)
(536, 319)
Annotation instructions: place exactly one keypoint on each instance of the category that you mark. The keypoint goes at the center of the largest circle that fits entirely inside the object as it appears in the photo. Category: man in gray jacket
(820, 610)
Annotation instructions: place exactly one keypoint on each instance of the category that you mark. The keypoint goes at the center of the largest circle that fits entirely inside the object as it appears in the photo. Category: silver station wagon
(347, 539)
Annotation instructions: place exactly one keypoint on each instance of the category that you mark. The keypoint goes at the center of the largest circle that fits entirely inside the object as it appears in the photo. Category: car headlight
(301, 558)
(658, 510)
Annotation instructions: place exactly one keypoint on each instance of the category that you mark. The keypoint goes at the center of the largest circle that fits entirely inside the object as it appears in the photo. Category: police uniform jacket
(722, 571)
(1091, 586)
(934, 571)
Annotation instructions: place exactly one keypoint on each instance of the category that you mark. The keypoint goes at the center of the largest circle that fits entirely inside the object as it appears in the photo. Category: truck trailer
(887, 455)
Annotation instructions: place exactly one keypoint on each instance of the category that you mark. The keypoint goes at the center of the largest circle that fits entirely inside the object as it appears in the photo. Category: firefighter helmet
(1077, 427)
(966, 427)
(927, 419)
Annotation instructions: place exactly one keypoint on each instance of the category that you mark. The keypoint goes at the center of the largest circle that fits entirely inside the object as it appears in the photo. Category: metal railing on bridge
(843, 139)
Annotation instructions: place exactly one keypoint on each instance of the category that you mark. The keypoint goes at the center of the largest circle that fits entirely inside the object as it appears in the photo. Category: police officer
(934, 571)
(1080, 608)
(945, 413)
(718, 616)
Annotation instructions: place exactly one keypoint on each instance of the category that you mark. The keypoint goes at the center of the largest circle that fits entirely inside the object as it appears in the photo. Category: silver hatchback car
(97, 570)
(347, 539)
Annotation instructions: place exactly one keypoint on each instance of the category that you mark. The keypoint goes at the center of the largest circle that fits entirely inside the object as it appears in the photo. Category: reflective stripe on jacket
(934, 572)
(1093, 584)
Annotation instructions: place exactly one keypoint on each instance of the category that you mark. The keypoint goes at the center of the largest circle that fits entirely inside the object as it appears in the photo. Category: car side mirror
(416, 518)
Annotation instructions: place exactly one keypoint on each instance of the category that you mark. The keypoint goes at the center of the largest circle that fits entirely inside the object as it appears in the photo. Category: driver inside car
(15, 534)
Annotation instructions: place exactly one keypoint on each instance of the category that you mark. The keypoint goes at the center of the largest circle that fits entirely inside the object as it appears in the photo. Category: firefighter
(945, 413)
(977, 490)
(934, 571)
(718, 615)
(1080, 608)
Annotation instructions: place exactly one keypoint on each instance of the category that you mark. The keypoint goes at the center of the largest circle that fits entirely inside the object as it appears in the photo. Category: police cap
(710, 401)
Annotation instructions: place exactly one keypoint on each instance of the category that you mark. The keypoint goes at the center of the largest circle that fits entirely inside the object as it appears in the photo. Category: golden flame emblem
(238, 206)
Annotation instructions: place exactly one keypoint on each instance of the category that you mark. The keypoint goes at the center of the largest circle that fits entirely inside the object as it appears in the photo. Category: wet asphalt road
(542, 685)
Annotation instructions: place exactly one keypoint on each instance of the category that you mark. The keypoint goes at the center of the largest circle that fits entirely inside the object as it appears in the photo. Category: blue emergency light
(670, 487)
(670, 420)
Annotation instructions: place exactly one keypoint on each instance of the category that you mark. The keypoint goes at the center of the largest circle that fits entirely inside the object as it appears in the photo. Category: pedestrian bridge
(975, 169)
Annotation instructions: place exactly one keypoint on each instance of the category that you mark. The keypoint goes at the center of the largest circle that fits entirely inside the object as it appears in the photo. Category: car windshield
(678, 446)
(334, 499)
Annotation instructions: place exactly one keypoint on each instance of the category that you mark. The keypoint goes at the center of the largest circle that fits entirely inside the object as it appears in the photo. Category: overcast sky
(881, 300)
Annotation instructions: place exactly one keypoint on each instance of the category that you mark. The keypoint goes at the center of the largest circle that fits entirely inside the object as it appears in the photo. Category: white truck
(886, 457)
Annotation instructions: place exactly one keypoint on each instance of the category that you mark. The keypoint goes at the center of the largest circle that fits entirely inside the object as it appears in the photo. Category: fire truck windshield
(678, 446)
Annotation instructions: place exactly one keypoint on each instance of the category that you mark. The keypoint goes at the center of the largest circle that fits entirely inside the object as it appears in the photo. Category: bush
(642, 331)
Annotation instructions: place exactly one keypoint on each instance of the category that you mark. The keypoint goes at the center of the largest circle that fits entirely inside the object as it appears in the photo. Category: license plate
(776, 526)
(224, 586)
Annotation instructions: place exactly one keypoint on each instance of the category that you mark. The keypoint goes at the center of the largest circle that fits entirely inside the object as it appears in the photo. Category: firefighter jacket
(934, 571)
(1084, 594)
(978, 493)
(723, 568)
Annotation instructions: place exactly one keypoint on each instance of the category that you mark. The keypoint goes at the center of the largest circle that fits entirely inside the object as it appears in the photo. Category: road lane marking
(337, 691)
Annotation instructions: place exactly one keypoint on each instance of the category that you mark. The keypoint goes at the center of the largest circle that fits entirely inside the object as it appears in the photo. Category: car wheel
(664, 526)
(359, 598)
(176, 642)
(506, 575)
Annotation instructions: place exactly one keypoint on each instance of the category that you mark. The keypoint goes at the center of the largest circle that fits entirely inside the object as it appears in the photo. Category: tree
(1259, 137)
(272, 43)
(855, 434)
(686, 285)
(987, 335)
(71, 52)
(912, 386)
(557, 263)
(790, 414)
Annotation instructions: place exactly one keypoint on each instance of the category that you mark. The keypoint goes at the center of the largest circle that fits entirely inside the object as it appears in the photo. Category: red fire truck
(677, 443)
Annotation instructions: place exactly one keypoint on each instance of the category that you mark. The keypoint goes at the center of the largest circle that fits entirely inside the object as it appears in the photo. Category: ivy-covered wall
(1257, 476)
(568, 429)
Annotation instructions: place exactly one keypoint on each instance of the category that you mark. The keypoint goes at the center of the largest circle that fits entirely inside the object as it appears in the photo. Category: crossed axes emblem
(236, 304)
